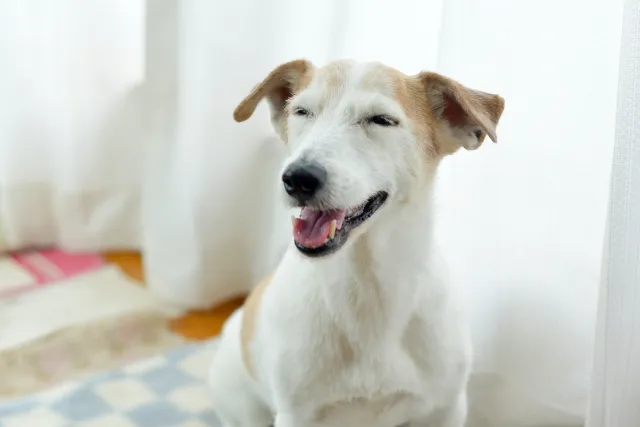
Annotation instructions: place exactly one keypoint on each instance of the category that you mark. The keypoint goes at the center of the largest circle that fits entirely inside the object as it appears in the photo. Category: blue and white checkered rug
(164, 391)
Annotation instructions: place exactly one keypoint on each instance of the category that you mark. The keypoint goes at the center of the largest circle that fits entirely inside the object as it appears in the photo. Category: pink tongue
(312, 229)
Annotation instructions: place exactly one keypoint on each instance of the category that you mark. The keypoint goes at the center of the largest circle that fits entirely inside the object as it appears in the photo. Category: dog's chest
(320, 354)
(343, 336)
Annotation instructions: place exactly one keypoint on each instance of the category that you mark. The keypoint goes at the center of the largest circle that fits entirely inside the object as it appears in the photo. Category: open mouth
(317, 233)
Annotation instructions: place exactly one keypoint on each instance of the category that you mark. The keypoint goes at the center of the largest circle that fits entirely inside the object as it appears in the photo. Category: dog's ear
(280, 85)
(463, 116)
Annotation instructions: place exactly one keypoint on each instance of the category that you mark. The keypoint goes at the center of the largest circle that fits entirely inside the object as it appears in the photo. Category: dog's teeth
(332, 229)
(293, 220)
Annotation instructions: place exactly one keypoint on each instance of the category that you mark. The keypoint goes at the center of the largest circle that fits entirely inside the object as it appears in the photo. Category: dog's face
(363, 136)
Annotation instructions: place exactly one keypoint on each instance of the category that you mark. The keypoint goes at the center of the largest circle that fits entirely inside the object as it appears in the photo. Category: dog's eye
(299, 111)
(382, 120)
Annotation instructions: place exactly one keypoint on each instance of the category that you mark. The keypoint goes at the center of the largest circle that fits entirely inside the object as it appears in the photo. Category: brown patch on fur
(332, 77)
(432, 101)
(482, 108)
(346, 354)
(455, 106)
(249, 317)
(278, 87)
(412, 96)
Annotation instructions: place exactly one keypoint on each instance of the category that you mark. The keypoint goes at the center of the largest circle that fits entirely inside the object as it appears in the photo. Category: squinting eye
(299, 111)
(382, 120)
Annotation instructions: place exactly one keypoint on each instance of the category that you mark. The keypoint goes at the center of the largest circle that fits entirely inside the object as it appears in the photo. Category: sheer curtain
(70, 151)
(616, 382)
(116, 131)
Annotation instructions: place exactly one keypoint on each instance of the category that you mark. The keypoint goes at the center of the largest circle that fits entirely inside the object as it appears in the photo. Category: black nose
(303, 181)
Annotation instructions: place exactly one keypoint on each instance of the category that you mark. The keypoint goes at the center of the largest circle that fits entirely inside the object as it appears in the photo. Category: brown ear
(280, 85)
(463, 116)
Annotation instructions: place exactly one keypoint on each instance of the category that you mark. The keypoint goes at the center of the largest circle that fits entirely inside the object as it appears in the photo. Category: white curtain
(70, 152)
(616, 381)
(116, 131)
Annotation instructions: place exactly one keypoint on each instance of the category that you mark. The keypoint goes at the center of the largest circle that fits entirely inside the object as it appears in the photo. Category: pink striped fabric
(49, 266)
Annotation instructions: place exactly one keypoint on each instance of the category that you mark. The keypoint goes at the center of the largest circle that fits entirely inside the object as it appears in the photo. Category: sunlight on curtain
(69, 158)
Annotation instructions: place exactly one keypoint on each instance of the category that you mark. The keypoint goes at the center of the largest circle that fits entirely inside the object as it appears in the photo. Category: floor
(197, 325)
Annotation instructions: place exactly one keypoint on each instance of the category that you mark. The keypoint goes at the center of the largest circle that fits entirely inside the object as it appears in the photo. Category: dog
(357, 326)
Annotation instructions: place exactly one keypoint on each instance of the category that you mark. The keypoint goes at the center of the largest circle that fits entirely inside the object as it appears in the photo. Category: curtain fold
(615, 391)
(70, 160)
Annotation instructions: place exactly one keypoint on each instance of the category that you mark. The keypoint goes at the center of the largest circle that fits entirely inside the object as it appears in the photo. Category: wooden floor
(196, 325)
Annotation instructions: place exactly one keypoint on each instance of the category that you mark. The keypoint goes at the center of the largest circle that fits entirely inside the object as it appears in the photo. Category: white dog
(357, 327)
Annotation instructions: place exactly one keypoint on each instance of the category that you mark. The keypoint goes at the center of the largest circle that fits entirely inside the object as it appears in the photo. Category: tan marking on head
(278, 87)
(410, 94)
(379, 78)
(439, 107)
(463, 116)
(303, 82)
(332, 78)
(247, 330)
(334, 75)
(445, 114)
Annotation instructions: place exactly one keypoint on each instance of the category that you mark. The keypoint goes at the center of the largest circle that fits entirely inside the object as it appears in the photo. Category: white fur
(371, 335)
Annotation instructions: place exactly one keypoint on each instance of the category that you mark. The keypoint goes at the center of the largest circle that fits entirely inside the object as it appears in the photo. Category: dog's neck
(373, 283)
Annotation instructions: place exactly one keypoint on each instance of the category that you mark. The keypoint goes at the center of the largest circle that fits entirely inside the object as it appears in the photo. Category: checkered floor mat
(164, 391)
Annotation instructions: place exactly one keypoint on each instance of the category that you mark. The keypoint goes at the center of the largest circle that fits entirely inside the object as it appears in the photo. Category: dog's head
(362, 136)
